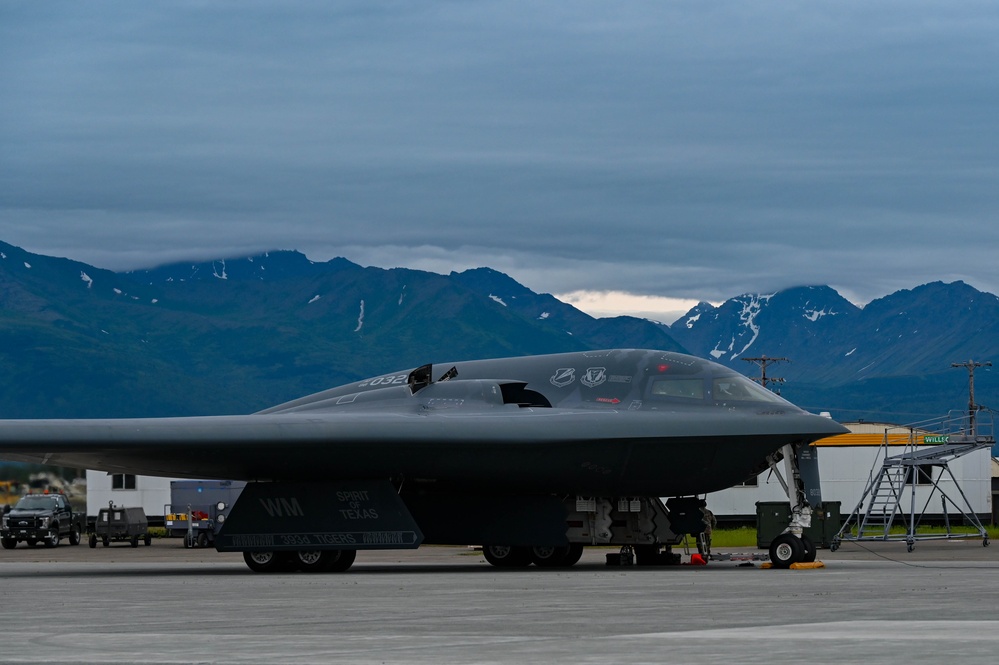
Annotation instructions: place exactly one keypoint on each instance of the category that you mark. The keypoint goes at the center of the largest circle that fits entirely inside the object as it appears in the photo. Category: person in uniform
(704, 541)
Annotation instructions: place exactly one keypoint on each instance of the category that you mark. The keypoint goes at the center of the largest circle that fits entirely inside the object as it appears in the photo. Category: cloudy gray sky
(686, 150)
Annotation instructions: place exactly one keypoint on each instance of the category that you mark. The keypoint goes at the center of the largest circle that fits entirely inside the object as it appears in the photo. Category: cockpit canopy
(734, 388)
(702, 382)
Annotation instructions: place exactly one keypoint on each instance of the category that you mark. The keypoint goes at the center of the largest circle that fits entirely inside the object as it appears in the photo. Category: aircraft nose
(823, 425)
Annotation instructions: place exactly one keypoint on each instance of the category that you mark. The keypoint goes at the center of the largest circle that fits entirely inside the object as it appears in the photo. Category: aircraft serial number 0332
(530, 457)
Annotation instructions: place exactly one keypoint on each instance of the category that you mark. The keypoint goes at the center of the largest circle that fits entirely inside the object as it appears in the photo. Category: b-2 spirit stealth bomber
(530, 457)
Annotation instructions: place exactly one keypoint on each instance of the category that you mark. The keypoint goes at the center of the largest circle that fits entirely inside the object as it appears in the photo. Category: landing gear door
(271, 517)
(808, 468)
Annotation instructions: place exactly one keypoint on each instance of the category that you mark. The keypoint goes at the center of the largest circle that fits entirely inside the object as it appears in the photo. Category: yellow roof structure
(874, 434)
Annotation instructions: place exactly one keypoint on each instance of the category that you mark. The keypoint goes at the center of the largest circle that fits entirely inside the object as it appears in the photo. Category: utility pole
(762, 362)
(972, 407)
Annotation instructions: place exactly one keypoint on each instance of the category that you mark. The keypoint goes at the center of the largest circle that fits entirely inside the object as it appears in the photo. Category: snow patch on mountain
(360, 318)
(86, 278)
(497, 299)
(751, 308)
(814, 315)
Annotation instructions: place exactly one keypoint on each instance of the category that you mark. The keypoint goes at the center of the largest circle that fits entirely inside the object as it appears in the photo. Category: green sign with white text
(943, 438)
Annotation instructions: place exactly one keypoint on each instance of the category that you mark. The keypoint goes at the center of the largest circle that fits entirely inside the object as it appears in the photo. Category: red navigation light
(662, 368)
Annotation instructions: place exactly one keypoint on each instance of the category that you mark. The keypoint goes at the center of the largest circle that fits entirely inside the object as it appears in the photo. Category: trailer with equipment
(198, 509)
(118, 524)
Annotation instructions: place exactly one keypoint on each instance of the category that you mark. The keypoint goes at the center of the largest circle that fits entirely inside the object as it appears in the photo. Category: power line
(971, 365)
(762, 362)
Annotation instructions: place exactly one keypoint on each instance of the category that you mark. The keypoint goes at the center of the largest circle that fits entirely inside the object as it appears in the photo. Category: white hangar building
(125, 490)
(847, 462)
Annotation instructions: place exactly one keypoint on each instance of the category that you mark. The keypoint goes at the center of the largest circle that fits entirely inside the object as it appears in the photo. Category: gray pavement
(165, 604)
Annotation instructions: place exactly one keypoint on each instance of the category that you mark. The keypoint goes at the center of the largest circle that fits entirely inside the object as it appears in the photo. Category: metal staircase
(891, 493)
(886, 497)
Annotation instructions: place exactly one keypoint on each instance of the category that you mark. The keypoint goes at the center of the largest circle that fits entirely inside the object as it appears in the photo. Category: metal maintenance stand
(896, 482)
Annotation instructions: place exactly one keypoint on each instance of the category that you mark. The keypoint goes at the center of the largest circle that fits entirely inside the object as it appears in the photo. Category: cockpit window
(678, 388)
(736, 388)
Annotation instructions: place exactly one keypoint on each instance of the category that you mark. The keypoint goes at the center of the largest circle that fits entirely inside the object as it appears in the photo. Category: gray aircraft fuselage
(609, 423)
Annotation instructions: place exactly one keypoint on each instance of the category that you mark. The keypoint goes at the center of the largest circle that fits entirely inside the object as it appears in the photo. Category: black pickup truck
(43, 518)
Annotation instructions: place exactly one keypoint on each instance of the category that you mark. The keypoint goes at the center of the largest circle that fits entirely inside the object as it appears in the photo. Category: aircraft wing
(524, 434)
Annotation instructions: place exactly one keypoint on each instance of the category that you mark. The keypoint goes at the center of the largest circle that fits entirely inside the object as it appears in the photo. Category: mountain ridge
(238, 334)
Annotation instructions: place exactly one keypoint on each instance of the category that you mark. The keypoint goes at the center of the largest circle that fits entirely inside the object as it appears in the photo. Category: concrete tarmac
(167, 604)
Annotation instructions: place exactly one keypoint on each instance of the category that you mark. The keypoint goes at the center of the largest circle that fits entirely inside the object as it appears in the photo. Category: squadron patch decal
(563, 376)
(594, 376)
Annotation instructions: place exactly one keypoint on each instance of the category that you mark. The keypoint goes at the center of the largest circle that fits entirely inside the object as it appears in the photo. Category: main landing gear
(543, 556)
(317, 561)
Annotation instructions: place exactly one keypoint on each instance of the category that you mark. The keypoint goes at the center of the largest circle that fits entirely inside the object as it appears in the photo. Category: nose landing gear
(793, 546)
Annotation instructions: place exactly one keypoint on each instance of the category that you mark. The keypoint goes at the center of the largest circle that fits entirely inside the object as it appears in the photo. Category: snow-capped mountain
(893, 355)
(796, 322)
(830, 339)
